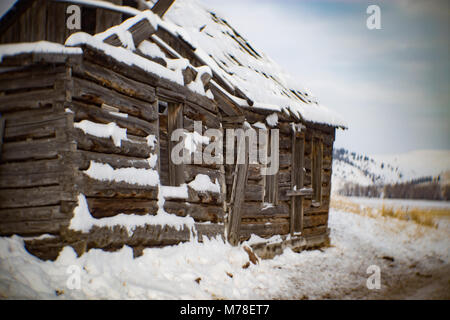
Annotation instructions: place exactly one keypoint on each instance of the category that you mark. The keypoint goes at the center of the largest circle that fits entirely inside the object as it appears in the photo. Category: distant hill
(419, 163)
(351, 167)
(365, 175)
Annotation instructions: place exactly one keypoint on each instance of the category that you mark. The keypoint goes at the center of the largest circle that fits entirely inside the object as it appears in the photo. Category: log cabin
(91, 94)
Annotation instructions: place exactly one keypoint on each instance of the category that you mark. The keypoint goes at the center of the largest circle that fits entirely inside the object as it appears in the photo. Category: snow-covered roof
(248, 77)
(234, 59)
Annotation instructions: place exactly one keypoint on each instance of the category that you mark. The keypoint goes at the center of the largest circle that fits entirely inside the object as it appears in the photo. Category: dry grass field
(420, 215)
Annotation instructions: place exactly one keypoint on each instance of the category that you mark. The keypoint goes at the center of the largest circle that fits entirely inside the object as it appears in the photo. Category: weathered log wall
(36, 196)
(268, 219)
(47, 20)
(96, 86)
(44, 155)
(33, 196)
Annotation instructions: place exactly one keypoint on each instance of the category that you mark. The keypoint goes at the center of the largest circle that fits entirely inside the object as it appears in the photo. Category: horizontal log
(88, 142)
(203, 197)
(117, 236)
(255, 210)
(300, 192)
(29, 116)
(324, 208)
(209, 230)
(92, 92)
(32, 228)
(198, 113)
(36, 130)
(31, 167)
(146, 236)
(35, 149)
(31, 197)
(238, 120)
(30, 99)
(113, 189)
(42, 115)
(253, 117)
(170, 96)
(314, 230)
(114, 80)
(191, 171)
(31, 81)
(46, 58)
(263, 229)
(84, 158)
(33, 71)
(24, 180)
(45, 249)
(267, 250)
(96, 114)
(199, 212)
(315, 220)
(46, 213)
(108, 207)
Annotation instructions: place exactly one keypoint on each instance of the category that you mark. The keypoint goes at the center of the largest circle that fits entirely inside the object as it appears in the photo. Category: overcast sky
(392, 85)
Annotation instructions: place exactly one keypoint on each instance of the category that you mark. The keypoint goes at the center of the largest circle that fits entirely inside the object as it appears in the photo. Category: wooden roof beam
(161, 7)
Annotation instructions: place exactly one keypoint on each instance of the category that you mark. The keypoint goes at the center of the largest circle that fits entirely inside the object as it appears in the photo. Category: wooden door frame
(297, 182)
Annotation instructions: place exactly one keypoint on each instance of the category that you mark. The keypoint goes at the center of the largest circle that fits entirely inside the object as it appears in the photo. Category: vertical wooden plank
(271, 181)
(294, 169)
(25, 34)
(2, 131)
(316, 167)
(238, 196)
(299, 180)
(88, 19)
(39, 19)
(107, 19)
(56, 22)
(158, 144)
(175, 121)
(319, 169)
(15, 31)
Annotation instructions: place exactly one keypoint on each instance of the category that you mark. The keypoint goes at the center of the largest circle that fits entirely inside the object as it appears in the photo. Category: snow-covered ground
(414, 261)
